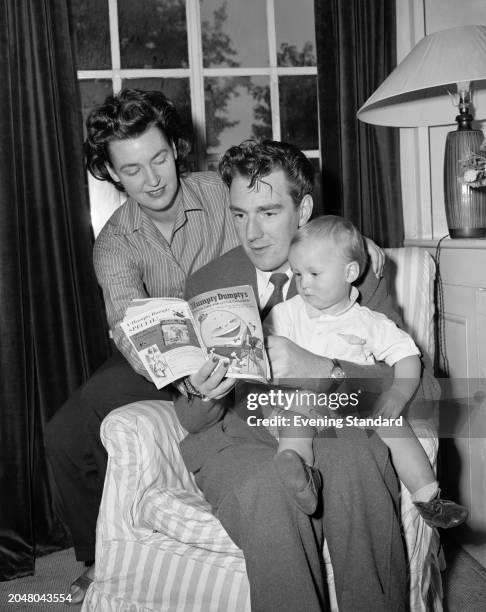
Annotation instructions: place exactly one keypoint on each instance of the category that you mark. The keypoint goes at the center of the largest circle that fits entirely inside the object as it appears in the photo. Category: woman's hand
(210, 379)
(377, 257)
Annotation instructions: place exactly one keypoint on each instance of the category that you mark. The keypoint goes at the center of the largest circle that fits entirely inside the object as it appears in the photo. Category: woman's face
(146, 167)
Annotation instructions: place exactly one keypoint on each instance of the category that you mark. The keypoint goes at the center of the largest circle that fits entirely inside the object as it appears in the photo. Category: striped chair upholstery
(159, 548)
(410, 275)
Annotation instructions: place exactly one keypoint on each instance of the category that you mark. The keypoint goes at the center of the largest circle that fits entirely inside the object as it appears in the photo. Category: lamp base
(465, 206)
(468, 232)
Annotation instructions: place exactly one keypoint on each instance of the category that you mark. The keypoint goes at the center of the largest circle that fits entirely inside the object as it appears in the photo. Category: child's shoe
(302, 481)
(442, 513)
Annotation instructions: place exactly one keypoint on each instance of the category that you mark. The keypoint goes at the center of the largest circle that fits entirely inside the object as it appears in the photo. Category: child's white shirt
(356, 334)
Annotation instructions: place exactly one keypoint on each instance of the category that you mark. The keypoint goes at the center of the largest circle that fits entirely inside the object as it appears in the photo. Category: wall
(463, 272)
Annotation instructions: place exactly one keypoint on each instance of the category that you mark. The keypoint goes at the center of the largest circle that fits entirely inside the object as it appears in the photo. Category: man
(234, 463)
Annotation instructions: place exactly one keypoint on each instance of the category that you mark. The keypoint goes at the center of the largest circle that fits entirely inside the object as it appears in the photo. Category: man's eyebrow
(264, 207)
(161, 152)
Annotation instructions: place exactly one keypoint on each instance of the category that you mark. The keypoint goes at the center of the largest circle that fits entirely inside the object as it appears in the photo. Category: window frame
(196, 73)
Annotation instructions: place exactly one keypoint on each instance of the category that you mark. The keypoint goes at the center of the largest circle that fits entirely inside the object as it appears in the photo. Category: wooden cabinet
(463, 455)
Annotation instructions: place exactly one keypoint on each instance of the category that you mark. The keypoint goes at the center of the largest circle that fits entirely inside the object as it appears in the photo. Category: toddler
(326, 256)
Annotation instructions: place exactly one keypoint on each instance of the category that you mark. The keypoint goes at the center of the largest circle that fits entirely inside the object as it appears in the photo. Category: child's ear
(352, 271)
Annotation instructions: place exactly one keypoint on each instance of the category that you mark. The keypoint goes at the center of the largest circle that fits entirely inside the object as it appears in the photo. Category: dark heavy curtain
(356, 50)
(51, 317)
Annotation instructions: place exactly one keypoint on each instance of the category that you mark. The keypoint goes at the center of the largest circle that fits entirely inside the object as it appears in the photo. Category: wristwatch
(337, 372)
(337, 375)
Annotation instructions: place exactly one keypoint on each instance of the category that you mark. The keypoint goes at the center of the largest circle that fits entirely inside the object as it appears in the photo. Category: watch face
(338, 373)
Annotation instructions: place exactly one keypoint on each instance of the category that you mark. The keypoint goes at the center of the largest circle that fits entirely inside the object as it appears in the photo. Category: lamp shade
(415, 93)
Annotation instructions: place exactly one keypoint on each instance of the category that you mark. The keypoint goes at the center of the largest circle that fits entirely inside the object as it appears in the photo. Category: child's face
(321, 274)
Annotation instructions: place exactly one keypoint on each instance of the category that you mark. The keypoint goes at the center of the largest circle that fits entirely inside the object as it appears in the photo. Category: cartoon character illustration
(223, 328)
(175, 332)
(156, 362)
(228, 335)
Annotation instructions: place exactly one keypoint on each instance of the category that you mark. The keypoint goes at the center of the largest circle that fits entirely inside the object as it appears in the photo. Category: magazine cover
(173, 338)
(229, 323)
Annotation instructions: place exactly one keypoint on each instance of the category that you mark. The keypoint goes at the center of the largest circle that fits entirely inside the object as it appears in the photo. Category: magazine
(174, 338)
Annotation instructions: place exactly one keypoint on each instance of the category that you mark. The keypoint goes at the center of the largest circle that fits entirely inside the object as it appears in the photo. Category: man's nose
(253, 229)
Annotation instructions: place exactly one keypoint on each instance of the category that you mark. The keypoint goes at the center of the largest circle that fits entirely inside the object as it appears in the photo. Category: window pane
(177, 90)
(92, 34)
(296, 39)
(93, 92)
(298, 111)
(153, 34)
(234, 33)
(236, 108)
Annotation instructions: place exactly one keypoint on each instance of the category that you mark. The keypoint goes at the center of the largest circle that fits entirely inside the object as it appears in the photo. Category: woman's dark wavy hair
(256, 160)
(128, 115)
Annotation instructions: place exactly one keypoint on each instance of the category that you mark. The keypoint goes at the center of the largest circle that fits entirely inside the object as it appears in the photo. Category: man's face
(322, 275)
(146, 168)
(266, 219)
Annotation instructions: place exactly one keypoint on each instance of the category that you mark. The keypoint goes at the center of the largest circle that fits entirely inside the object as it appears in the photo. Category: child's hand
(391, 404)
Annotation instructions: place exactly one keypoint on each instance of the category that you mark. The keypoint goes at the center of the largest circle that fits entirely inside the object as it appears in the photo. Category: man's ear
(351, 271)
(112, 173)
(305, 209)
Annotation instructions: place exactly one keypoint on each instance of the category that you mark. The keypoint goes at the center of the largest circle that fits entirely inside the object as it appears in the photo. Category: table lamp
(442, 66)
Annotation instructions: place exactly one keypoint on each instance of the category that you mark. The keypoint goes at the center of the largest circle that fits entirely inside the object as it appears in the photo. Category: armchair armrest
(147, 485)
(142, 442)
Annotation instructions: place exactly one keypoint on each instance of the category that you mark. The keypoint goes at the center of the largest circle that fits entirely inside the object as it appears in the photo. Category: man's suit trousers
(357, 514)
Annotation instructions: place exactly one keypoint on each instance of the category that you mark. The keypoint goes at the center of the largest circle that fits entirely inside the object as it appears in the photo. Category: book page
(164, 334)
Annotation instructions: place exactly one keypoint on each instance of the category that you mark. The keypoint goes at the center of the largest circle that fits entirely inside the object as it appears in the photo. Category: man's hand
(210, 379)
(390, 404)
(288, 360)
(377, 257)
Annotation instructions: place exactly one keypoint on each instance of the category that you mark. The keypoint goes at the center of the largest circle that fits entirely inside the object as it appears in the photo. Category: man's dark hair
(256, 160)
(128, 115)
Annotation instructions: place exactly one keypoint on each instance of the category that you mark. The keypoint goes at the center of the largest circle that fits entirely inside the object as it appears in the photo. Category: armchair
(159, 548)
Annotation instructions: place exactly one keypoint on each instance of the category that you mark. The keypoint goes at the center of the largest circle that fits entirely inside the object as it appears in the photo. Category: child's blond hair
(344, 234)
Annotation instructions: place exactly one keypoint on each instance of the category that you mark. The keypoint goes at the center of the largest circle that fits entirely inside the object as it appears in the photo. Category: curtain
(356, 50)
(52, 328)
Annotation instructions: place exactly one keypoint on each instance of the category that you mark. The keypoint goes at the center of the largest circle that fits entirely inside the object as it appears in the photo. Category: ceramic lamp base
(465, 206)
(470, 232)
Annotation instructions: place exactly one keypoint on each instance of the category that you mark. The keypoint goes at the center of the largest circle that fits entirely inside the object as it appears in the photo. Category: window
(234, 69)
